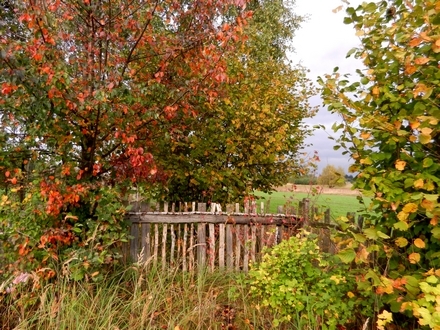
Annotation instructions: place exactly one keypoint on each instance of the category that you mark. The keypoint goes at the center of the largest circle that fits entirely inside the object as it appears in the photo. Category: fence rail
(190, 235)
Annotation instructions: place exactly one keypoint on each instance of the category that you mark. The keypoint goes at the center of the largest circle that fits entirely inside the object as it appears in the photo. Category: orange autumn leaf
(400, 165)
(410, 208)
(427, 204)
(421, 60)
(399, 283)
(375, 91)
(414, 257)
(418, 184)
(415, 42)
(419, 243)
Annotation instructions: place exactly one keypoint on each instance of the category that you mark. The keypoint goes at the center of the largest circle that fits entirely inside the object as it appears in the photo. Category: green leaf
(436, 232)
(412, 284)
(371, 233)
(347, 255)
(359, 237)
(401, 225)
(427, 162)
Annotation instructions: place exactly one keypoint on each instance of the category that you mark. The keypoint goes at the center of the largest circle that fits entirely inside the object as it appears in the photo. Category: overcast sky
(322, 44)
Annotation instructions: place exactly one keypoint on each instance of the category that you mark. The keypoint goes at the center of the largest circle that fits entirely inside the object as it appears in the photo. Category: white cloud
(320, 45)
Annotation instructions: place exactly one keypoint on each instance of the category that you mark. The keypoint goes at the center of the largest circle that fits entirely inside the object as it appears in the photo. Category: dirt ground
(323, 189)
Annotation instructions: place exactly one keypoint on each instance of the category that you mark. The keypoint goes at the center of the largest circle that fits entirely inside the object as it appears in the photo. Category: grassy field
(339, 204)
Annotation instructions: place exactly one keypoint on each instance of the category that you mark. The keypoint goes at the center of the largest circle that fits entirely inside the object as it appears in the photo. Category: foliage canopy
(391, 128)
(87, 89)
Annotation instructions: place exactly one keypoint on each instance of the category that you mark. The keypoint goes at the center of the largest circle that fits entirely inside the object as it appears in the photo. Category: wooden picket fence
(192, 235)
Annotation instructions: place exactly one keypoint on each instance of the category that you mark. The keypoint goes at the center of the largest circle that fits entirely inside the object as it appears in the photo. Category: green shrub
(304, 180)
(303, 286)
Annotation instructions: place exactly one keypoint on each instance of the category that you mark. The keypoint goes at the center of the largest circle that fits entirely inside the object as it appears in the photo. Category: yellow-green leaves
(395, 147)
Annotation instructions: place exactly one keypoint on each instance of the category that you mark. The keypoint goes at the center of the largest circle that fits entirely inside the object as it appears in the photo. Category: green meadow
(339, 205)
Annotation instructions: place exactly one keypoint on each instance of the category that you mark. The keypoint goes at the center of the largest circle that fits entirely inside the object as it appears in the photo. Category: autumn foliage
(391, 128)
(87, 88)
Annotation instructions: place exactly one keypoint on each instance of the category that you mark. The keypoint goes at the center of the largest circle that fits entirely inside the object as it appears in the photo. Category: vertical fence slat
(253, 242)
(156, 243)
(173, 245)
(280, 234)
(327, 216)
(134, 243)
(145, 239)
(221, 246)
(185, 239)
(246, 248)
(191, 247)
(164, 245)
(238, 242)
(229, 247)
(211, 254)
(201, 245)
(306, 211)
(262, 236)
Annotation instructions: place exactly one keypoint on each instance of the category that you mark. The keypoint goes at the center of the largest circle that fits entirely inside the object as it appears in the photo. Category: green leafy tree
(332, 176)
(391, 130)
(247, 137)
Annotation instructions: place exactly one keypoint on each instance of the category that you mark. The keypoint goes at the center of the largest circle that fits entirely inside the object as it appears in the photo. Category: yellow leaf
(419, 243)
(375, 91)
(429, 272)
(418, 184)
(360, 33)
(401, 242)
(402, 216)
(383, 319)
(425, 138)
(426, 130)
(350, 294)
(414, 258)
(400, 165)
(412, 138)
(410, 208)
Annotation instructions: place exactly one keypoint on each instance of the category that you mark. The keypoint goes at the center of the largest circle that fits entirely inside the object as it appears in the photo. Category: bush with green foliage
(391, 129)
(332, 176)
(304, 286)
(304, 180)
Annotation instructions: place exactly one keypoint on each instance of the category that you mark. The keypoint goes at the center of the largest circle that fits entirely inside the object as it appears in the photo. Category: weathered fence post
(201, 245)
(306, 211)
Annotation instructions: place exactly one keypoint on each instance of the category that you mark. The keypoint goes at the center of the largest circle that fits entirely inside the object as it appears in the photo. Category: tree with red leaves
(87, 88)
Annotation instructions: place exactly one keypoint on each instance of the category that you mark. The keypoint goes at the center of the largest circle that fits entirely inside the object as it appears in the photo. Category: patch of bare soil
(322, 189)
